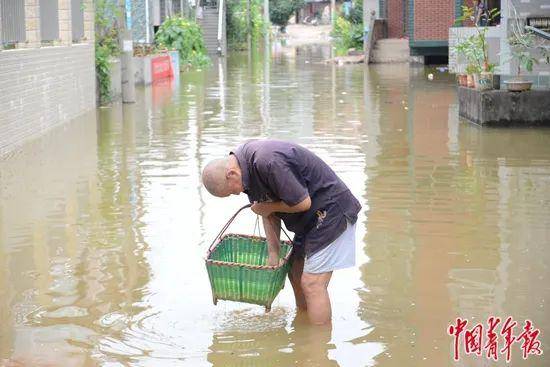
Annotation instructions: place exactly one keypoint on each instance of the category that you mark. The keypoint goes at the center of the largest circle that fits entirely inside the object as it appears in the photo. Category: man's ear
(231, 173)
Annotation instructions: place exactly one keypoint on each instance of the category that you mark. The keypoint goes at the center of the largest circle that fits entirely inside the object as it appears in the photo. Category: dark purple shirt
(274, 170)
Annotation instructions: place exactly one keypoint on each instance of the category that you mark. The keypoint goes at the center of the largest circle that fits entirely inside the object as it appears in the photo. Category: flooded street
(104, 224)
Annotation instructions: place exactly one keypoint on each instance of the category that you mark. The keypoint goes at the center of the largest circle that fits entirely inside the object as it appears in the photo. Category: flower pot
(483, 81)
(462, 80)
(470, 81)
(518, 85)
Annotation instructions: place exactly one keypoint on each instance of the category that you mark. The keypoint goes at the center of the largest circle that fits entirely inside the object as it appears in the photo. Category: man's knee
(313, 283)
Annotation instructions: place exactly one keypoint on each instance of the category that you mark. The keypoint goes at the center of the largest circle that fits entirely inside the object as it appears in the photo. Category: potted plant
(521, 46)
(462, 79)
(463, 48)
(484, 78)
(476, 48)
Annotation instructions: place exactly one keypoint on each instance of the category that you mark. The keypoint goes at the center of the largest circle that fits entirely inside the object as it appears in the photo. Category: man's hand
(262, 209)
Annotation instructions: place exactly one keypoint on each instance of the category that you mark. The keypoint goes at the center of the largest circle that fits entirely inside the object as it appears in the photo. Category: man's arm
(265, 209)
(272, 227)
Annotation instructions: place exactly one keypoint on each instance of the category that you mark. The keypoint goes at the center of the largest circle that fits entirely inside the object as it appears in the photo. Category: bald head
(222, 177)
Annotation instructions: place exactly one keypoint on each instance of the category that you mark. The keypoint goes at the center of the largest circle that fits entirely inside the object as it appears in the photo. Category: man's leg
(315, 290)
(295, 277)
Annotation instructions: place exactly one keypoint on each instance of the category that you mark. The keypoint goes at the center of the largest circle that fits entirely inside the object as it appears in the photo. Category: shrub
(185, 36)
(348, 29)
(347, 35)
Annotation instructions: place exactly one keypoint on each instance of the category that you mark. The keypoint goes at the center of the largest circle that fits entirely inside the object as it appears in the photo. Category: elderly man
(285, 181)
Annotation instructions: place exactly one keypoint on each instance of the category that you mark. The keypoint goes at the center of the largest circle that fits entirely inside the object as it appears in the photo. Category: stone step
(391, 51)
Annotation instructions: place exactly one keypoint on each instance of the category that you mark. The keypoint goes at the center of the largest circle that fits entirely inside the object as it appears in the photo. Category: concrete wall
(503, 108)
(42, 87)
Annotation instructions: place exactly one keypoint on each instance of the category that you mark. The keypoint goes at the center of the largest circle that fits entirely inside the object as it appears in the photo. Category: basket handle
(224, 228)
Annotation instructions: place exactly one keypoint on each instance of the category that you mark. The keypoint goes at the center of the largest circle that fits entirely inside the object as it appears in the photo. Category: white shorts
(339, 254)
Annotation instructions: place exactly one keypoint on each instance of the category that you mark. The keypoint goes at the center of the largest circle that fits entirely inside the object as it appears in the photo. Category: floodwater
(104, 224)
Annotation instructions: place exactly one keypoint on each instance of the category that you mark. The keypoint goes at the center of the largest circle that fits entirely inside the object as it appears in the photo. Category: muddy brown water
(104, 224)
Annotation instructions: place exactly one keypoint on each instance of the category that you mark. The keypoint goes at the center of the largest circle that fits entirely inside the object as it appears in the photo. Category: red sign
(161, 68)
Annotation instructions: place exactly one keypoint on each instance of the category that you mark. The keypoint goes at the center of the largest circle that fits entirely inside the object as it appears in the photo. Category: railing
(221, 16)
(538, 32)
(377, 30)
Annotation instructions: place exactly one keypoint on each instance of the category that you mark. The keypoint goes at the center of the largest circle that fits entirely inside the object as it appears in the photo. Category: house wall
(44, 86)
(432, 22)
(395, 10)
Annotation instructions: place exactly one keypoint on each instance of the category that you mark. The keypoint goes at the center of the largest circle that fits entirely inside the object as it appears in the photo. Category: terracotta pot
(462, 80)
(470, 81)
(518, 85)
(484, 80)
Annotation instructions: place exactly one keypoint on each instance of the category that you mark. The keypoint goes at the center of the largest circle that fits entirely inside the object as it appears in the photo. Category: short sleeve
(285, 183)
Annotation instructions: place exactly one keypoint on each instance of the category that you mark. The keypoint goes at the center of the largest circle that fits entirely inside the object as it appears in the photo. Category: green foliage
(106, 45)
(185, 36)
(472, 49)
(521, 46)
(280, 11)
(348, 29)
(475, 48)
(237, 27)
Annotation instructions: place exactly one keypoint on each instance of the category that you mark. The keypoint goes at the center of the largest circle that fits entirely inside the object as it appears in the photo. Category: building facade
(424, 22)
(47, 68)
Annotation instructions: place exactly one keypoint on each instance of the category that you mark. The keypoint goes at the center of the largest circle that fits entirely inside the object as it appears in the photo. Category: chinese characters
(494, 339)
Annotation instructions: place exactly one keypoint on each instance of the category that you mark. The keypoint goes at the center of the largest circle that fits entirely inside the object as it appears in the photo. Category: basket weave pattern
(238, 270)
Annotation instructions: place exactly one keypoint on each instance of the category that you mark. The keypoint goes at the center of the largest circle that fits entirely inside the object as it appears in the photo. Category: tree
(280, 11)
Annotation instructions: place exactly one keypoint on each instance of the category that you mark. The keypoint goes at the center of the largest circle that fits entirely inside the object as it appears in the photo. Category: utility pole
(366, 27)
(248, 25)
(267, 34)
(266, 17)
(332, 13)
(127, 54)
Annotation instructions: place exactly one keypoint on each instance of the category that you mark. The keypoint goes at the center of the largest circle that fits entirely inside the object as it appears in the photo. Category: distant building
(424, 22)
(317, 11)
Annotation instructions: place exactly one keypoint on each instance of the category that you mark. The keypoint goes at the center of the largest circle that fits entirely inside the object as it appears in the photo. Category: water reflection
(103, 238)
(246, 340)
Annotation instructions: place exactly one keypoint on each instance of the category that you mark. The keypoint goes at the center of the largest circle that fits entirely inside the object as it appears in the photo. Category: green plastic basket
(238, 270)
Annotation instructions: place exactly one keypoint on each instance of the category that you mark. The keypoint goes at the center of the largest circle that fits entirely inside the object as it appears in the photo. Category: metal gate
(49, 20)
(12, 16)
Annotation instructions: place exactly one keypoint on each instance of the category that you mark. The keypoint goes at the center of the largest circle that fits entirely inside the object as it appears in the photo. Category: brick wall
(432, 22)
(42, 87)
(394, 12)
